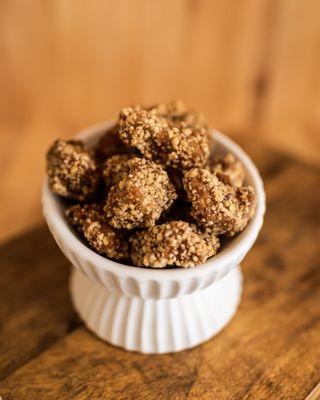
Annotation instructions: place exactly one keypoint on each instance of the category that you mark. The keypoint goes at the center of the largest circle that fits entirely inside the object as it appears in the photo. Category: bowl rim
(241, 243)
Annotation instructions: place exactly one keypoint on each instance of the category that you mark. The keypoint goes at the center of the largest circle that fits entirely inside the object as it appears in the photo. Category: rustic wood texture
(35, 309)
(252, 67)
(270, 350)
(249, 65)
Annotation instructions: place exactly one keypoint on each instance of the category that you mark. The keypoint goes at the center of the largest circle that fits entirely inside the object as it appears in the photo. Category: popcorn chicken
(177, 112)
(167, 194)
(72, 170)
(224, 208)
(179, 145)
(138, 199)
(89, 222)
(228, 169)
(175, 243)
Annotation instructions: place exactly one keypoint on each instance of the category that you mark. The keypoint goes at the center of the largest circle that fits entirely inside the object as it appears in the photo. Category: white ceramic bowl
(153, 310)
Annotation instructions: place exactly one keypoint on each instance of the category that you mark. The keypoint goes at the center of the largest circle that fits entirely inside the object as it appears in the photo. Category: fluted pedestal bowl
(149, 310)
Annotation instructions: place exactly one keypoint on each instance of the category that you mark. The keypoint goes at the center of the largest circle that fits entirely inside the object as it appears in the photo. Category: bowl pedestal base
(156, 326)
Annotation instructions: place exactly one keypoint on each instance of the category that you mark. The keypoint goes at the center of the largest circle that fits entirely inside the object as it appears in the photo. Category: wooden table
(251, 66)
(270, 350)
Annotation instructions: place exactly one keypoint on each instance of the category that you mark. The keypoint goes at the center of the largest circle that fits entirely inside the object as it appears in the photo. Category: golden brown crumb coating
(115, 168)
(177, 112)
(185, 147)
(228, 169)
(222, 207)
(173, 110)
(168, 194)
(179, 145)
(72, 171)
(139, 129)
(175, 243)
(89, 222)
(138, 199)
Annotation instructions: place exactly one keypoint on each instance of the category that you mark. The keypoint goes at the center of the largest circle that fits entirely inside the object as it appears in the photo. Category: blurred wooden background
(253, 66)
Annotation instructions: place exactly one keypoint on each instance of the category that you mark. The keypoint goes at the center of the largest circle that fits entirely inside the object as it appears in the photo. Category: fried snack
(139, 129)
(175, 243)
(229, 170)
(209, 236)
(138, 199)
(185, 147)
(177, 145)
(110, 144)
(88, 221)
(159, 166)
(223, 208)
(115, 168)
(72, 170)
(176, 112)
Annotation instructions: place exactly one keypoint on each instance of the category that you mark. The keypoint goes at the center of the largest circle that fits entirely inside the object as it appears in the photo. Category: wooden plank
(65, 67)
(114, 53)
(35, 310)
(271, 349)
(249, 63)
(290, 115)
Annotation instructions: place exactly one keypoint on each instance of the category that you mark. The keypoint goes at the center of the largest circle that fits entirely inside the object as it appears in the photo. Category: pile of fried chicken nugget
(152, 193)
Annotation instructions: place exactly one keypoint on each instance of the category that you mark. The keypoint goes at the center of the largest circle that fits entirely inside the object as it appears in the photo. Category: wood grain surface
(270, 350)
(250, 65)
(253, 68)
